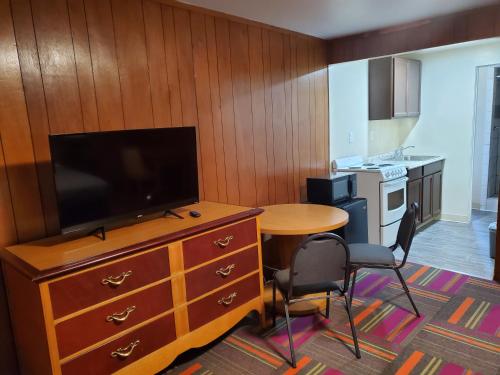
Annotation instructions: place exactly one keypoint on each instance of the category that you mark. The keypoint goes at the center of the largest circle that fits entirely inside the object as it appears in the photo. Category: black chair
(365, 255)
(317, 264)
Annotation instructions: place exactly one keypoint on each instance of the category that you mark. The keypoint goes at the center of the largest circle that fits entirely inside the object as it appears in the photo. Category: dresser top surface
(53, 256)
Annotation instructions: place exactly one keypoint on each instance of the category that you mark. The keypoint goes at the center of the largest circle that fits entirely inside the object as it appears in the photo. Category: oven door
(392, 200)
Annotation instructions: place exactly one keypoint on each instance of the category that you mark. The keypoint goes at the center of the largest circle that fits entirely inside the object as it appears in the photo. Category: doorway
(486, 157)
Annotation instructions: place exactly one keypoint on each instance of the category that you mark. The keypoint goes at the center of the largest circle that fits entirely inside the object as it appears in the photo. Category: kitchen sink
(412, 158)
(418, 157)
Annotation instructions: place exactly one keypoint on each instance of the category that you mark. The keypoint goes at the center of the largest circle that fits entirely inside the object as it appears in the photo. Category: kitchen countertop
(409, 164)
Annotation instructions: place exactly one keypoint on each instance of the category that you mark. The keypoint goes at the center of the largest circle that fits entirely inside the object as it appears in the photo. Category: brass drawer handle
(226, 301)
(222, 243)
(116, 280)
(225, 271)
(126, 351)
(120, 317)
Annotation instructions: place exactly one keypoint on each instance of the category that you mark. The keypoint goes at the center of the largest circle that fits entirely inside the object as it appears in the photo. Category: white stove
(386, 171)
(384, 187)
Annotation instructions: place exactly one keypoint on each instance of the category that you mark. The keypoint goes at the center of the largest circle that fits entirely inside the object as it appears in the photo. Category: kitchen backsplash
(387, 135)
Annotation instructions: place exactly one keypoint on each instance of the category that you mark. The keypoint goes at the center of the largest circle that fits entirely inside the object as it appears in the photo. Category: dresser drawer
(215, 244)
(96, 325)
(88, 288)
(101, 361)
(223, 301)
(218, 273)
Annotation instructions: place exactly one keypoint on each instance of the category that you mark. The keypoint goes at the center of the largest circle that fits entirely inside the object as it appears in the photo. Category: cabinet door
(414, 189)
(400, 87)
(413, 87)
(436, 193)
(426, 198)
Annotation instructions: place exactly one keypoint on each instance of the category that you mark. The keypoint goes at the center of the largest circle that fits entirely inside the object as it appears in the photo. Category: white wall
(350, 131)
(446, 122)
(483, 114)
(445, 125)
(348, 90)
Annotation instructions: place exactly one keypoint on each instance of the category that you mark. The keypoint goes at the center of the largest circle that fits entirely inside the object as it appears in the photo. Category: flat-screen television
(105, 178)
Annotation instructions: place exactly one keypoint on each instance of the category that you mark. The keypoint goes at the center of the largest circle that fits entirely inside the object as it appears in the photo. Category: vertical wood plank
(16, 137)
(182, 26)
(83, 61)
(288, 114)
(268, 100)
(312, 108)
(240, 69)
(105, 66)
(216, 109)
(8, 232)
(132, 63)
(303, 110)
(57, 62)
(172, 70)
(318, 104)
(227, 108)
(258, 113)
(8, 236)
(295, 118)
(204, 105)
(157, 64)
(279, 125)
(322, 109)
(37, 111)
(185, 66)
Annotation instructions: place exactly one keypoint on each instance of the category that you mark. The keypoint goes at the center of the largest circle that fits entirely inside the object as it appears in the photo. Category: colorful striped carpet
(458, 332)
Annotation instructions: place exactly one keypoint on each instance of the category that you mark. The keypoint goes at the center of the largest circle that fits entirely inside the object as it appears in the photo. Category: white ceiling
(333, 18)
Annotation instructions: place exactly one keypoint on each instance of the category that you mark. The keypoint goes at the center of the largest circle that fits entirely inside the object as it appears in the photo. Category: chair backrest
(407, 229)
(320, 258)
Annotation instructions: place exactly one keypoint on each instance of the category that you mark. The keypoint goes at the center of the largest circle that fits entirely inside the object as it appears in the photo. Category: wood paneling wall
(257, 95)
(479, 23)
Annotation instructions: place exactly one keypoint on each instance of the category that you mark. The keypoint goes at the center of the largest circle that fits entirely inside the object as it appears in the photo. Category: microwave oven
(331, 189)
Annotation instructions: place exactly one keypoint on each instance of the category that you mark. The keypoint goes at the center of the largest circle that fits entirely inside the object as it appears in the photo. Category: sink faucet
(398, 153)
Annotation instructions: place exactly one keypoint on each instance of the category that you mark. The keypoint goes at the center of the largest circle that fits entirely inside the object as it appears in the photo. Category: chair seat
(283, 281)
(370, 254)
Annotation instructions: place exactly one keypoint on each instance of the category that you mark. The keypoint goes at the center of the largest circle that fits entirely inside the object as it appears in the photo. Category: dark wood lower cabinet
(425, 188)
(436, 193)
(426, 207)
(414, 190)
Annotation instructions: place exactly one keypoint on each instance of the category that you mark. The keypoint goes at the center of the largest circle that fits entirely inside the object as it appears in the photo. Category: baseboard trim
(455, 218)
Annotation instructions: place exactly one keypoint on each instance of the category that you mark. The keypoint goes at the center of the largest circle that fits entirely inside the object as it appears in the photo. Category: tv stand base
(170, 212)
(99, 233)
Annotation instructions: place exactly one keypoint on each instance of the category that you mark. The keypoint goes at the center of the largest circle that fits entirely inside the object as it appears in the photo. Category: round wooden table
(288, 225)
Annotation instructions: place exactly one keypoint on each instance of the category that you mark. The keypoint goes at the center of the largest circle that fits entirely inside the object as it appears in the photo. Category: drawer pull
(120, 317)
(116, 280)
(222, 243)
(225, 271)
(226, 301)
(126, 351)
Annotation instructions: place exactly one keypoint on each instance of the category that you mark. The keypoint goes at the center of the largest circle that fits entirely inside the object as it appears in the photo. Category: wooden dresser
(134, 302)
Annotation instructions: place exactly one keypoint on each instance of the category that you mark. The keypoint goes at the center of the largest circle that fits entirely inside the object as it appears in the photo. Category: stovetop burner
(385, 165)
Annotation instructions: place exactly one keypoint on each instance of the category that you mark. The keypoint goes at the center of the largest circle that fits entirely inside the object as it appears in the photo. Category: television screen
(104, 177)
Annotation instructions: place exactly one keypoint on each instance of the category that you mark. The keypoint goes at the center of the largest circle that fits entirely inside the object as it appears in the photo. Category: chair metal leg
(353, 328)
(407, 291)
(290, 338)
(351, 292)
(274, 303)
(327, 313)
